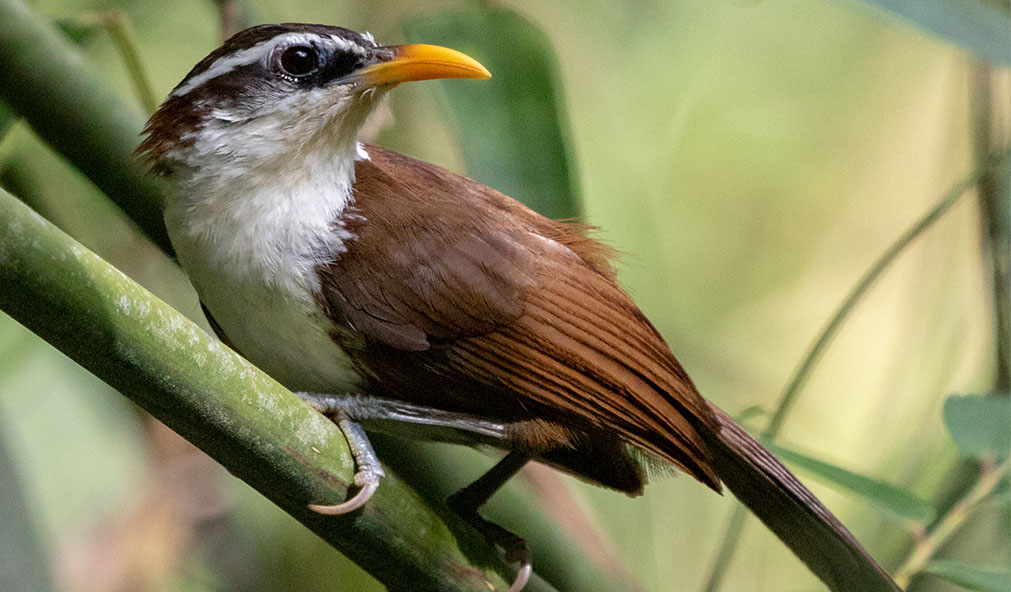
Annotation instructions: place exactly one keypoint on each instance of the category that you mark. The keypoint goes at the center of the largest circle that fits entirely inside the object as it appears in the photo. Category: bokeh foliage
(751, 160)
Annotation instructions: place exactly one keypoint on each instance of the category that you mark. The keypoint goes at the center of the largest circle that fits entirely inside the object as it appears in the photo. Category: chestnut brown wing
(459, 297)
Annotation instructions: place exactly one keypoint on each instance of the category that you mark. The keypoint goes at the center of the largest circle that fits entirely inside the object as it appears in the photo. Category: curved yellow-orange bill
(423, 62)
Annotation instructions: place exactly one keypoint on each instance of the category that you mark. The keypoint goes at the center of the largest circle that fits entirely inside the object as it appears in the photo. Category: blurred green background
(750, 160)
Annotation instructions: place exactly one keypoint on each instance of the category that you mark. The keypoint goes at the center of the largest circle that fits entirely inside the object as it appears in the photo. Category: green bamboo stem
(556, 556)
(44, 79)
(242, 418)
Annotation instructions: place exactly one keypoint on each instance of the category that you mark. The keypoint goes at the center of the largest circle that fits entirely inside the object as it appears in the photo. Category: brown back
(461, 298)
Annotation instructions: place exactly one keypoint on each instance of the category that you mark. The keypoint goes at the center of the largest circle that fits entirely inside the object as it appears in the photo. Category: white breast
(250, 242)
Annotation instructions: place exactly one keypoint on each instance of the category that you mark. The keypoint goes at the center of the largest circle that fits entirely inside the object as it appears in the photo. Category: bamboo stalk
(242, 418)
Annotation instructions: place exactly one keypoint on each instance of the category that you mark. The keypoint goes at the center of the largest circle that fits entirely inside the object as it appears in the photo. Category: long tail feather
(793, 513)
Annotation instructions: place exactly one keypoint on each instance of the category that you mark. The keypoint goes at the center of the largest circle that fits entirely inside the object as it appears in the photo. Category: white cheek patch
(256, 53)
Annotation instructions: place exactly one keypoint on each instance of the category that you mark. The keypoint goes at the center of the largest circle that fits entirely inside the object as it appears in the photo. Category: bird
(395, 295)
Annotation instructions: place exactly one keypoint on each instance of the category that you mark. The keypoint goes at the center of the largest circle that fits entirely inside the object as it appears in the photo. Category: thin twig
(730, 541)
(228, 18)
(951, 522)
(803, 371)
(120, 32)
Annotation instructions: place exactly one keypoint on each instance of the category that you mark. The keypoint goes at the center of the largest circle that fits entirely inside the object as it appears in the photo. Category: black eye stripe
(341, 64)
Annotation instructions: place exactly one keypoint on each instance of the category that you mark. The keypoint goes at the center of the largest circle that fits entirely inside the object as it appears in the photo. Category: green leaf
(980, 425)
(971, 577)
(512, 127)
(891, 499)
(972, 24)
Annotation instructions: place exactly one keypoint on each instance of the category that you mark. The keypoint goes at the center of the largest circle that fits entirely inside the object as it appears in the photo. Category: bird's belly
(284, 338)
(277, 327)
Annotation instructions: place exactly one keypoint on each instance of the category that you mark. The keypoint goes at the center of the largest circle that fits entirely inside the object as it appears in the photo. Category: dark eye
(299, 60)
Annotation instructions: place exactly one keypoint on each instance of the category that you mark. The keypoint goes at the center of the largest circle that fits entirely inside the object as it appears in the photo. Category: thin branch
(870, 277)
(435, 473)
(731, 539)
(228, 17)
(119, 30)
(949, 524)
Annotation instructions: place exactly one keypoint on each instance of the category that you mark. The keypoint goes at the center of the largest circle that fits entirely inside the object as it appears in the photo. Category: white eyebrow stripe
(251, 55)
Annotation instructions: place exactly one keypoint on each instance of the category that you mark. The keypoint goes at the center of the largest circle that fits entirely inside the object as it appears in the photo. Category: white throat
(250, 236)
(266, 222)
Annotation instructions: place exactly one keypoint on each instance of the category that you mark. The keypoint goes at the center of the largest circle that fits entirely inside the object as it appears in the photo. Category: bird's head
(273, 91)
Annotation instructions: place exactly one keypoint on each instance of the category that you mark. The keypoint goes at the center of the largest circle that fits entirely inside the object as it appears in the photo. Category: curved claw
(522, 576)
(369, 468)
(369, 483)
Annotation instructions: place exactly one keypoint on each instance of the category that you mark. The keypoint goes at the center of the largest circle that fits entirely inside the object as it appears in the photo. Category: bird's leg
(369, 469)
(397, 417)
(407, 420)
(468, 500)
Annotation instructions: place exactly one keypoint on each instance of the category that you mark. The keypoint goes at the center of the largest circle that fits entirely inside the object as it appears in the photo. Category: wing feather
(516, 315)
